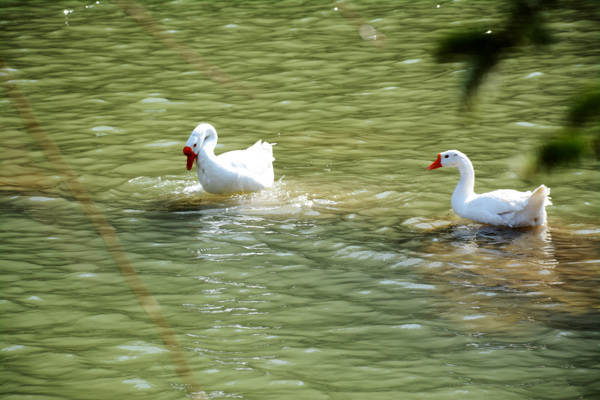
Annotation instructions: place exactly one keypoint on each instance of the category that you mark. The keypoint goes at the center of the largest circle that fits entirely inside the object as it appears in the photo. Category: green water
(351, 278)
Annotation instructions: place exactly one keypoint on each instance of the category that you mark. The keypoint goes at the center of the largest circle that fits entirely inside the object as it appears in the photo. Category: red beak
(436, 164)
(191, 156)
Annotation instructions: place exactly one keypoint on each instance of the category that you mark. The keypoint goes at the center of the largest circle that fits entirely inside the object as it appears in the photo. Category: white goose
(501, 207)
(236, 171)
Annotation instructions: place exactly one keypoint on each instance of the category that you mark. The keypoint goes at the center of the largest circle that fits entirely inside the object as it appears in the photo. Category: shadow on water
(499, 277)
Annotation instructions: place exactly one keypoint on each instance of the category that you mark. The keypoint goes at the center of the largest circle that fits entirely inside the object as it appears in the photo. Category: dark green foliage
(564, 149)
(570, 145)
(538, 35)
(585, 107)
(461, 45)
(482, 49)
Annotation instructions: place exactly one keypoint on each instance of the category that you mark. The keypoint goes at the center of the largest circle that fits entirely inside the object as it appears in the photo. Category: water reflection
(500, 277)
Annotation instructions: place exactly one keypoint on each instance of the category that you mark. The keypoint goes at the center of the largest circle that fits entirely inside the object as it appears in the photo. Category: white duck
(501, 207)
(236, 171)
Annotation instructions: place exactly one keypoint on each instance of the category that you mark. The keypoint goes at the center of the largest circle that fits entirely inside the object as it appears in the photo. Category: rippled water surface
(351, 278)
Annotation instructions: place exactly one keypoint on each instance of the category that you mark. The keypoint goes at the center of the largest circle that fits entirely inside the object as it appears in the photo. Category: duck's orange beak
(191, 156)
(436, 164)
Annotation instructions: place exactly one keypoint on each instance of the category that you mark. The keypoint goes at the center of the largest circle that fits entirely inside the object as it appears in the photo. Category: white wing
(501, 201)
(510, 207)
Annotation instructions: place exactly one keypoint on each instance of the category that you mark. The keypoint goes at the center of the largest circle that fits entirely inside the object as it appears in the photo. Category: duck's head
(449, 158)
(195, 142)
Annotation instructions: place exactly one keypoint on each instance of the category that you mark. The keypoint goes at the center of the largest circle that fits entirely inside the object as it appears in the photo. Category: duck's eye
(446, 156)
(194, 144)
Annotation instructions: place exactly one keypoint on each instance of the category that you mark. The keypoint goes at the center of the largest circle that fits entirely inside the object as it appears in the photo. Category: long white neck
(207, 151)
(466, 184)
